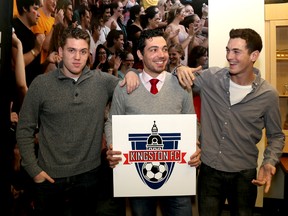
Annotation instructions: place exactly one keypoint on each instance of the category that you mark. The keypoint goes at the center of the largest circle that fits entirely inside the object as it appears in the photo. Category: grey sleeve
(117, 108)
(28, 122)
(274, 133)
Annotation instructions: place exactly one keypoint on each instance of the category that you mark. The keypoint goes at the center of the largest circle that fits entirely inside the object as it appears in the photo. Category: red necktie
(154, 89)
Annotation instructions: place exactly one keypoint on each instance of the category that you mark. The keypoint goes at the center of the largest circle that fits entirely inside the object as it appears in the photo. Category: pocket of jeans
(249, 174)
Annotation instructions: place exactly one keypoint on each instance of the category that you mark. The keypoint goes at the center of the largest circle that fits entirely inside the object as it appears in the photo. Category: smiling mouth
(232, 65)
(160, 63)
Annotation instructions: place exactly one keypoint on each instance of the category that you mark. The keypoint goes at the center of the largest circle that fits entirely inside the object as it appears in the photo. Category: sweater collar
(85, 73)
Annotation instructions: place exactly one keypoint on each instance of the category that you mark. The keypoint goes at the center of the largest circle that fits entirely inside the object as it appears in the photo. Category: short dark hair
(123, 54)
(113, 34)
(25, 4)
(196, 53)
(147, 34)
(95, 24)
(75, 33)
(113, 5)
(102, 8)
(82, 9)
(150, 13)
(252, 38)
(105, 66)
(188, 19)
(134, 10)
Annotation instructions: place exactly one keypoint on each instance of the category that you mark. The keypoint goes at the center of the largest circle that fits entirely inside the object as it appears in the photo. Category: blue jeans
(170, 206)
(214, 187)
(70, 196)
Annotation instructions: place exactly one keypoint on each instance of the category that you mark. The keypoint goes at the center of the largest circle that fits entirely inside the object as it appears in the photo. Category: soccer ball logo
(155, 171)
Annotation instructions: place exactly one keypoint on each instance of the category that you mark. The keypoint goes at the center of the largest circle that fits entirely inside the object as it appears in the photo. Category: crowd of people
(115, 24)
(68, 57)
(114, 28)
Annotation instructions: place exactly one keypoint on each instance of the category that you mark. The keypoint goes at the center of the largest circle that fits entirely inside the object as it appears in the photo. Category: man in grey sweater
(170, 99)
(67, 105)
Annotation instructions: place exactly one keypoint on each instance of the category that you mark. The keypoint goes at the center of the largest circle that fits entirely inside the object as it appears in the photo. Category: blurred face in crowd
(168, 5)
(189, 10)
(102, 55)
(174, 56)
(119, 42)
(203, 60)
(106, 15)
(142, 11)
(101, 22)
(87, 19)
(129, 61)
(74, 54)
(197, 22)
(33, 15)
(154, 56)
(84, 2)
(155, 21)
(119, 10)
(96, 32)
(182, 14)
(50, 5)
(161, 5)
(68, 13)
(106, 2)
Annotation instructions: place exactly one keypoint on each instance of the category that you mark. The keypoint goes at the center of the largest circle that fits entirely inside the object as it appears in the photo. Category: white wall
(225, 15)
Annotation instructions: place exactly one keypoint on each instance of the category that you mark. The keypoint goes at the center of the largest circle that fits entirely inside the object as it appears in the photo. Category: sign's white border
(127, 182)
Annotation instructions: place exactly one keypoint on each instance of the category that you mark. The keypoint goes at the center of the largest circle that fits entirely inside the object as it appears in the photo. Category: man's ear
(139, 54)
(60, 52)
(254, 55)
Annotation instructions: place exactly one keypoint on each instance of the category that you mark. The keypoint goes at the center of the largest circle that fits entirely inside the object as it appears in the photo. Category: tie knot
(154, 81)
(154, 89)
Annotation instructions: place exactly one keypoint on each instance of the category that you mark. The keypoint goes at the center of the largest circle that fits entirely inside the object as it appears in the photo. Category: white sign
(155, 154)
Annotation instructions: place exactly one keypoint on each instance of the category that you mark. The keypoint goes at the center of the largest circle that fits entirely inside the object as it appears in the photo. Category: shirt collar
(146, 77)
(257, 80)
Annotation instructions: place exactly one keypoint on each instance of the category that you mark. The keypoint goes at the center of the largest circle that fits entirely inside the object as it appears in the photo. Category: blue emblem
(154, 156)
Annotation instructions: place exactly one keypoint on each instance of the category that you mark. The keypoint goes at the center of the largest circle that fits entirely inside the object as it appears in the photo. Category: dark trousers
(70, 196)
(107, 204)
(170, 206)
(214, 187)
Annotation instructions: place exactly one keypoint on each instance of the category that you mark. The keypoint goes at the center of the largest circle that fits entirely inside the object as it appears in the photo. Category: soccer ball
(154, 171)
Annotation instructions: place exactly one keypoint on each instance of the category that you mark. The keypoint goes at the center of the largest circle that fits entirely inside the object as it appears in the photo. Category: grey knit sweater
(171, 99)
(70, 116)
